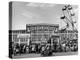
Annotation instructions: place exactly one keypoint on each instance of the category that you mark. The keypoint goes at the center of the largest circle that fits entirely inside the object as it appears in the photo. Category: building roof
(43, 24)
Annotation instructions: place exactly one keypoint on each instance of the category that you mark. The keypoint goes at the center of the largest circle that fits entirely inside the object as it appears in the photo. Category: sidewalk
(39, 55)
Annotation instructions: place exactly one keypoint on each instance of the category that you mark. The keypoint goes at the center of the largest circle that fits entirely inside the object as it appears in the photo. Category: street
(39, 55)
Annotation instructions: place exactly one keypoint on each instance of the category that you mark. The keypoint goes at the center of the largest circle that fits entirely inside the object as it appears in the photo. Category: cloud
(27, 14)
(42, 5)
(31, 15)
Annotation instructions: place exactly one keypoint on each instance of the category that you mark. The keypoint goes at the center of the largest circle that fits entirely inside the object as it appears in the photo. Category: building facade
(41, 32)
(36, 33)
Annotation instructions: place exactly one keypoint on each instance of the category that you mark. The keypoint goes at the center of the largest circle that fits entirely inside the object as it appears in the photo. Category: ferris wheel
(67, 17)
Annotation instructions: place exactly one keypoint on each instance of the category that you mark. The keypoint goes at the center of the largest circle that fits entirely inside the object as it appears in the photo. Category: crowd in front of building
(43, 39)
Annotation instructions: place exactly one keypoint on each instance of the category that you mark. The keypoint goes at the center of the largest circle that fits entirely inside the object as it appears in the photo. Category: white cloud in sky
(42, 5)
(30, 15)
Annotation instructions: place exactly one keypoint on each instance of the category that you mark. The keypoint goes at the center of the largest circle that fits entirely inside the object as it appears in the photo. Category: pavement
(33, 55)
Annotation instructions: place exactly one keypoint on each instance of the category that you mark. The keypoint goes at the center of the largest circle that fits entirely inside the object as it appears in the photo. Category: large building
(36, 33)
(41, 32)
(19, 36)
(68, 35)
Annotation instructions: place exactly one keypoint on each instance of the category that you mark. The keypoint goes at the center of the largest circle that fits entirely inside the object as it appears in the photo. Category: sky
(33, 13)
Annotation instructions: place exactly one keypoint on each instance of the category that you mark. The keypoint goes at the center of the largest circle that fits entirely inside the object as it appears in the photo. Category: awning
(23, 35)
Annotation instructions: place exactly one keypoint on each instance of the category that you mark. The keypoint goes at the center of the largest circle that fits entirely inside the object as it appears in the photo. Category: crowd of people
(45, 49)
